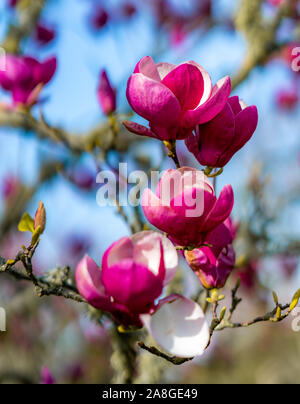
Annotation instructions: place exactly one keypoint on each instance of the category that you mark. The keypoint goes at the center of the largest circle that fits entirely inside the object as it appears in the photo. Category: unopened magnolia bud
(40, 217)
(106, 94)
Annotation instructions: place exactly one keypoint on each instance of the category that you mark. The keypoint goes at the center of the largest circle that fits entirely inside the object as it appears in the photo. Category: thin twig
(154, 351)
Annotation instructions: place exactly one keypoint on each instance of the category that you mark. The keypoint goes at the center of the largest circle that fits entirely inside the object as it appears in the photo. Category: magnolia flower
(217, 141)
(12, 3)
(46, 376)
(24, 77)
(100, 18)
(287, 99)
(214, 264)
(174, 99)
(188, 211)
(106, 94)
(10, 187)
(276, 2)
(147, 256)
(134, 272)
(44, 34)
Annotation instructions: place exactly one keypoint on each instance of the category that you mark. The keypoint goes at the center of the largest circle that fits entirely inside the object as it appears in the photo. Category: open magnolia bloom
(188, 211)
(134, 272)
(24, 77)
(216, 141)
(174, 99)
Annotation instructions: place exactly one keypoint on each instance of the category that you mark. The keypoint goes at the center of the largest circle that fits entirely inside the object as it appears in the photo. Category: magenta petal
(148, 68)
(212, 107)
(245, 125)
(234, 102)
(186, 82)
(132, 285)
(207, 82)
(162, 217)
(193, 204)
(88, 280)
(214, 138)
(219, 238)
(118, 251)
(16, 72)
(153, 101)
(222, 209)
(138, 129)
(44, 72)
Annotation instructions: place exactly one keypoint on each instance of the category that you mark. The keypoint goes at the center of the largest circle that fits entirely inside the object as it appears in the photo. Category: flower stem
(171, 146)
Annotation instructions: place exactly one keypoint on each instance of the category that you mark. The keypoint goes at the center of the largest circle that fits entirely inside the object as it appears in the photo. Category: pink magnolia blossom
(214, 264)
(44, 34)
(289, 265)
(190, 210)
(290, 56)
(249, 275)
(46, 376)
(148, 256)
(215, 142)
(25, 76)
(100, 18)
(12, 3)
(10, 187)
(174, 99)
(134, 271)
(128, 9)
(106, 94)
(287, 99)
(276, 2)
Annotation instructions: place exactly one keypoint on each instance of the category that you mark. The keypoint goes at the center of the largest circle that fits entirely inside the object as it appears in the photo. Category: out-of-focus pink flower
(289, 264)
(174, 99)
(188, 210)
(248, 275)
(148, 257)
(290, 55)
(106, 94)
(10, 187)
(287, 99)
(204, 9)
(214, 264)
(128, 9)
(46, 376)
(75, 372)
(44, 34)
(276, 2)
(12, 3)
(162, 10)
(76, 245)
(217, 141)
(100, 18)
(178, 34)
(83, 178)
(24, 77)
